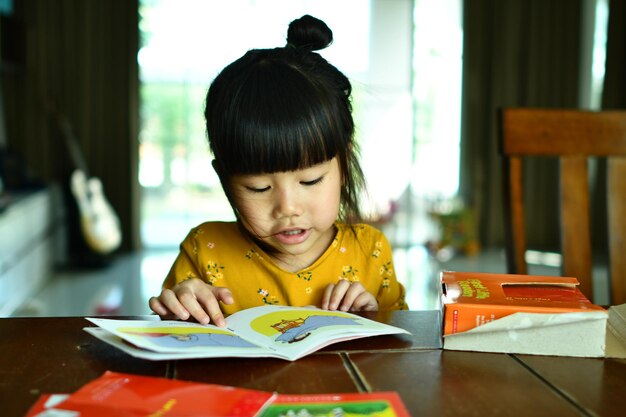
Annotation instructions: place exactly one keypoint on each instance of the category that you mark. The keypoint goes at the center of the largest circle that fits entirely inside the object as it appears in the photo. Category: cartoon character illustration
(190, 338)
(201, 340)
(298, 329)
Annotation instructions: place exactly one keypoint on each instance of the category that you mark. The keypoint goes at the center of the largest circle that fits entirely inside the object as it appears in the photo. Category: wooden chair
(572, 136)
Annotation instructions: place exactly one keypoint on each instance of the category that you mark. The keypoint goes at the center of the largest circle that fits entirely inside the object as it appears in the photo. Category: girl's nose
(287, 204)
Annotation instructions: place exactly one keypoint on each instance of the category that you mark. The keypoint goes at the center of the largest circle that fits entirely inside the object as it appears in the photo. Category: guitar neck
(72, 145)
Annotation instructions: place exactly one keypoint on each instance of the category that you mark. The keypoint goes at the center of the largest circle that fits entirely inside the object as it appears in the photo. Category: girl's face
(292, 211)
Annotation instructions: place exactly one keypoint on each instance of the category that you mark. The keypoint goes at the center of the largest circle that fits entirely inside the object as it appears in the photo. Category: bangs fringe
(271, 148)
(280, 123)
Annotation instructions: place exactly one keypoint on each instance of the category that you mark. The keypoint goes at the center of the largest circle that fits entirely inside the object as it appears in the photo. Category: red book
(127, 395)
(44, 402)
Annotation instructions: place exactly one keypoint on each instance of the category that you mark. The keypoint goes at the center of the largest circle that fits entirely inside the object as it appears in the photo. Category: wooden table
(42, 355)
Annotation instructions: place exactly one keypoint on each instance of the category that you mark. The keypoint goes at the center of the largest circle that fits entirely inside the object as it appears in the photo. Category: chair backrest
(573, 136)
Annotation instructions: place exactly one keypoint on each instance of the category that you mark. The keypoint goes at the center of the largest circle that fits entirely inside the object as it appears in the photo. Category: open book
(268, 331)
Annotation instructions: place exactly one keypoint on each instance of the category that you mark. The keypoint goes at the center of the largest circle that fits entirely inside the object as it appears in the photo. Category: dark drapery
(516, 53)
(614, 96)
(80, 56)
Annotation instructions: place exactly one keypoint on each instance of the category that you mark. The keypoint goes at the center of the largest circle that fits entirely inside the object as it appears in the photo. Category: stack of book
(128, 395)
(541, 315)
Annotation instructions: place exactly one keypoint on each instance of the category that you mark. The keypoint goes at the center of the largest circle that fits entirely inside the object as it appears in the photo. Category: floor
(121, 288)
(124, 286)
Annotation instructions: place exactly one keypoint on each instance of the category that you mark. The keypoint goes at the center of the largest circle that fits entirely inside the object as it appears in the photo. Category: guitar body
(99, 224)
(96, 221)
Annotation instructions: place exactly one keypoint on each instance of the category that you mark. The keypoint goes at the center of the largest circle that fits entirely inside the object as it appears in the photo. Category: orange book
(471, 299)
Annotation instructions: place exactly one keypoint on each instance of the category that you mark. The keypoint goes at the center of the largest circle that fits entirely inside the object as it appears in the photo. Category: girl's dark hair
(283, 109)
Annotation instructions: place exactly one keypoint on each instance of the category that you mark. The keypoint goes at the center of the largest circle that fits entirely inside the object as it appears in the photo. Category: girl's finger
(158, 307)
(170, 300)
(192, 305)
(326, 296)
(354, 290)
(224, 295)
(365, 302)
(214, 311)
(338, 294)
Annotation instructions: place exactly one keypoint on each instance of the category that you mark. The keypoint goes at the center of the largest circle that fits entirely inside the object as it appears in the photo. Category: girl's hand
(192, 298)
(346, 296)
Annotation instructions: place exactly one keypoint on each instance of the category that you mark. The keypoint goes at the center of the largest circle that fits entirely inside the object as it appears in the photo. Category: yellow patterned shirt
(220, 254)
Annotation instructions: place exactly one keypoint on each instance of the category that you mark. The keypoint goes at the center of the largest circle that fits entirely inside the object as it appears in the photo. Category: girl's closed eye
(257, 189)
(312, 182)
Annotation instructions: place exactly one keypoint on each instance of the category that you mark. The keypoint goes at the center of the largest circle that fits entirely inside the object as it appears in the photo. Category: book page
(296, 331)
(119, 343)
(168, 337)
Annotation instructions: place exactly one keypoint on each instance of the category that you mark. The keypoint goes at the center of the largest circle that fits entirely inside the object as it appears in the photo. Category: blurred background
(117, 89)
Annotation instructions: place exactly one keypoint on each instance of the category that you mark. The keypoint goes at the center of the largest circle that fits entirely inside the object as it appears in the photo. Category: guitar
(99, 223)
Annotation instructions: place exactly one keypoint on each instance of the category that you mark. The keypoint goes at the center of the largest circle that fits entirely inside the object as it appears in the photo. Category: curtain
(516, 53)
(613, 97)
(614, 92)
(80, 59)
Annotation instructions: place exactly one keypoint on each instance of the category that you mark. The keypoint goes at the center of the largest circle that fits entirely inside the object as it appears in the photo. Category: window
(406, 96)
(437, 75)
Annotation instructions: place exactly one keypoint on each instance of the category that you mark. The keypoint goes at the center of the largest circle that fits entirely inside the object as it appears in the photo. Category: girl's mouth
(293, 232)
(292, 236)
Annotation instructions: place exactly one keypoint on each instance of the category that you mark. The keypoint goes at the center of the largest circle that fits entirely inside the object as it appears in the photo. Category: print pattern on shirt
(196, 232)
(266, 297)
(386, 271)
(306, 275)
(378, 245)
(214, 272)
(350, 273)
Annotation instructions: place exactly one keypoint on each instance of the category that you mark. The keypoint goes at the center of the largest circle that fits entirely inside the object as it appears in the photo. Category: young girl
(280, 127)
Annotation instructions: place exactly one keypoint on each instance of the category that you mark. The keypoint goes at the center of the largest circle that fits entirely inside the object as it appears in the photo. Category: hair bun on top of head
(309, 32)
